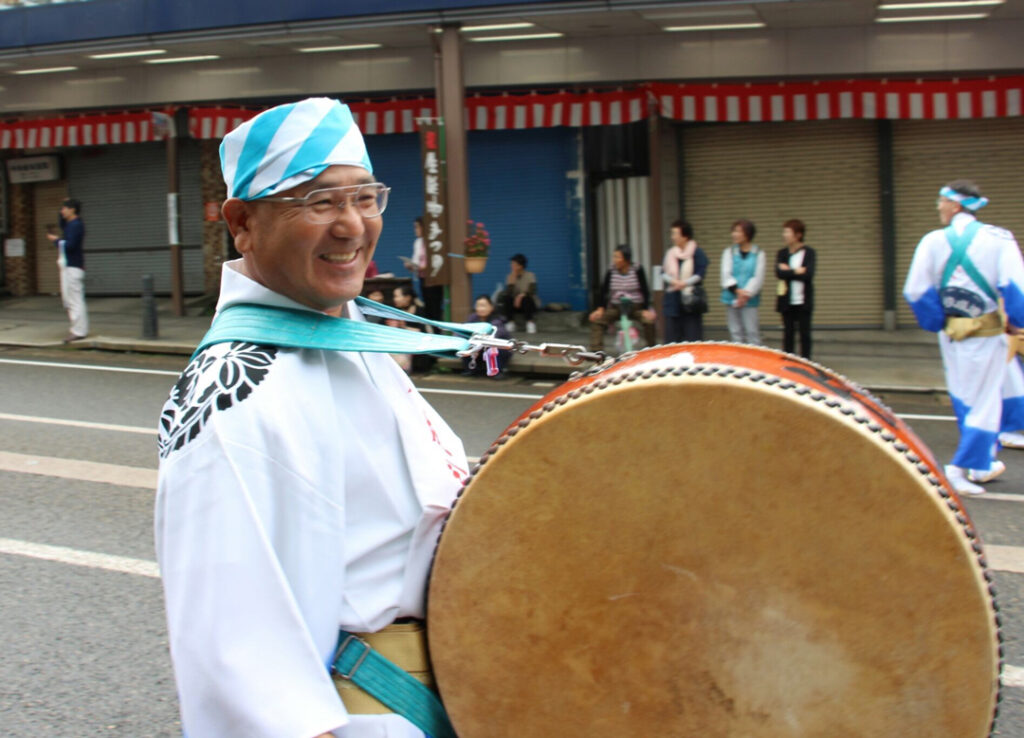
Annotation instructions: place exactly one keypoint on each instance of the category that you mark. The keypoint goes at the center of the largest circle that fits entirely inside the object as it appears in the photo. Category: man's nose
(349, 221)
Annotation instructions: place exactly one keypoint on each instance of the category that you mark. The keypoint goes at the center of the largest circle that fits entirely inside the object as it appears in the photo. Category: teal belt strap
(396, 688)
(959, 242)
(290, 328)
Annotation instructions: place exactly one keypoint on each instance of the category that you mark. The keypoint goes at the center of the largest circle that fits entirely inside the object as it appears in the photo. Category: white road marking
(79, 424)
(87, 471)
(1005, 558)
(1013, 676)
(73, 556)
(91, 367)
(478, 393)
(166, 373)
(913, 416)
(995, 496)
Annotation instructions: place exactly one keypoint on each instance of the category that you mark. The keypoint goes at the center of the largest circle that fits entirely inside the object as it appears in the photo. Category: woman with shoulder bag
(685, 299)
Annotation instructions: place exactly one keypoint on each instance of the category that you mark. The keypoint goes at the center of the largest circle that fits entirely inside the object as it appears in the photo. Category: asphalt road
(83, 649)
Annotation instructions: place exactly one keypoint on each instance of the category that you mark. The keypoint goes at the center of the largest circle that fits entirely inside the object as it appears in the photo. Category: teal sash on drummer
(292, 328)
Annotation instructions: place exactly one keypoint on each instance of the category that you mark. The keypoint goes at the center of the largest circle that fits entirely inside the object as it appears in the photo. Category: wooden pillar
(174, 224)
(451, 101)
(654, 201)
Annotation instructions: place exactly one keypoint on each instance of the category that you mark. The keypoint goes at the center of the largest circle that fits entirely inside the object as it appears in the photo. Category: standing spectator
(519, 295)
(794, 266)
(433, 297)
(742, 279)
(623, 280)
(71, 260)
(685, 299)
(956, 279)
(404, 298)
(483, 312)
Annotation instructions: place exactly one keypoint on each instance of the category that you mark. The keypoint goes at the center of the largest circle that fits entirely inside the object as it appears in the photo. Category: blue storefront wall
(518, 187)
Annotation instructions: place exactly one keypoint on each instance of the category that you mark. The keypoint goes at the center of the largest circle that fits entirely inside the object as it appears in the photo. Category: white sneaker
(511, 326)
(531, 327)
(960, 483)
(976, 475)
(1011, 439)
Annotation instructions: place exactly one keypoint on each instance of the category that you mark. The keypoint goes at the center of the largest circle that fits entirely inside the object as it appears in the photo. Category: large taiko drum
(712, 540)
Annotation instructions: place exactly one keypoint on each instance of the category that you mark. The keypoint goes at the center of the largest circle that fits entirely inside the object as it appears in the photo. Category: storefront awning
(84, 130)
(990, 97)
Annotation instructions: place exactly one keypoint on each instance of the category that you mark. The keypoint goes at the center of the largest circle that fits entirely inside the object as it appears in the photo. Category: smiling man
(301, 491)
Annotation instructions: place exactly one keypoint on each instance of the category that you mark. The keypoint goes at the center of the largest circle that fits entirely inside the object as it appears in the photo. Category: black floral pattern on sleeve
(214, 380)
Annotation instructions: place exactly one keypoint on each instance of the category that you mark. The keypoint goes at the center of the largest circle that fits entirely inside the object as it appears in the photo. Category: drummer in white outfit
(300, 490)
(955, 282)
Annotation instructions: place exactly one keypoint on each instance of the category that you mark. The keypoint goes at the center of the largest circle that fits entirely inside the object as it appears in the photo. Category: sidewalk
(898, 360)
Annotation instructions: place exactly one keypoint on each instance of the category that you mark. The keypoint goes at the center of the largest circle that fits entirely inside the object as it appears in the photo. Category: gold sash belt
(989, 324)
(404, 645)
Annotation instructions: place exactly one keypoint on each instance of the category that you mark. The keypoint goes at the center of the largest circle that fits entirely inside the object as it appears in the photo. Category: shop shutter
(928, 154)
(123, 190)
(824, 173)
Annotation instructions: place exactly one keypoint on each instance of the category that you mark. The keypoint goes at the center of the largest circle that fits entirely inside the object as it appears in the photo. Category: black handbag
(695, 303)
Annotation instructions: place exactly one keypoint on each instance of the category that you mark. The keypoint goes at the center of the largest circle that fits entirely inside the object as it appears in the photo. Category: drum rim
(831, 404)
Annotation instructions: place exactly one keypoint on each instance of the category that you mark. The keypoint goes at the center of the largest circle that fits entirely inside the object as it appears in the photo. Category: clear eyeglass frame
(323, 206)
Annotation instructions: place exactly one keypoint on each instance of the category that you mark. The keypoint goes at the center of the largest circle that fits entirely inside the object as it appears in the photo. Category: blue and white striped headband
(969, 202)
(288, 145)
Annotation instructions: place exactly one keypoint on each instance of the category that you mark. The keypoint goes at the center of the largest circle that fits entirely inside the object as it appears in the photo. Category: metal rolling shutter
(123, 190)
(824, 173)
(927, 154)
(520, 187)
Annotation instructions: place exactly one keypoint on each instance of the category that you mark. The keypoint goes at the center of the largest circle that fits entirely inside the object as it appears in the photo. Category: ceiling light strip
(183, 59)
(717, 27)
(520, 37)
(929, 18)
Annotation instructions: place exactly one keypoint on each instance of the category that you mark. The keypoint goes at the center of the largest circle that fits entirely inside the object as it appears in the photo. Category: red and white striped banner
(483, 113)
(992, 97)
(996, 97)
(89, 130)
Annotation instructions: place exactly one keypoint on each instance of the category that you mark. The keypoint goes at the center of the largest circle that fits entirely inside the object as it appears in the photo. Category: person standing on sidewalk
(794, 266)
(71, 261)
(956, 279)
(742, 279)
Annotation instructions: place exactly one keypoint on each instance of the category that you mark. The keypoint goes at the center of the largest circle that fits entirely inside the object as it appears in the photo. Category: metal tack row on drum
(713, 540)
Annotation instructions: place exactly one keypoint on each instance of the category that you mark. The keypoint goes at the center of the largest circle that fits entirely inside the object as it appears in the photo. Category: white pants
(744, 326)
(72, 293)
(975, 370)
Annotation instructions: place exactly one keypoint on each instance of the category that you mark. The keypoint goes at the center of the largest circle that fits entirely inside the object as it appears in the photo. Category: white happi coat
(975, 367)
(300, 491)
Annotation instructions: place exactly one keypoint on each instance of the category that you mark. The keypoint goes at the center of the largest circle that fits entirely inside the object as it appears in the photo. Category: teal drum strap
(286, 327)
(355, 660)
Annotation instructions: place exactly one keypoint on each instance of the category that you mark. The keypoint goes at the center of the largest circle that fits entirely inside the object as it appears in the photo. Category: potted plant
(477, 244)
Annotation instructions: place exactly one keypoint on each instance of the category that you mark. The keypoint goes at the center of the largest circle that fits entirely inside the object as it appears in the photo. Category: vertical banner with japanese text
(435, 214)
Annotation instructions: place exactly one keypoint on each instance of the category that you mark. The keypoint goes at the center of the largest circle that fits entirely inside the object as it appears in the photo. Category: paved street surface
(83, 649)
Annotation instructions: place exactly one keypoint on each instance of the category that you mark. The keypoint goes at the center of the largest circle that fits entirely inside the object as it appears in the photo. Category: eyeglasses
(323, 206)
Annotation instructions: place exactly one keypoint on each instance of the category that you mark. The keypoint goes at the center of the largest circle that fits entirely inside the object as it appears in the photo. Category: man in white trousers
(957, 278)
(71, 260)
(301, 490)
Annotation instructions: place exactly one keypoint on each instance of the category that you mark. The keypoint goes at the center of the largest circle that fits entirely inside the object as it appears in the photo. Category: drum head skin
(680, 553)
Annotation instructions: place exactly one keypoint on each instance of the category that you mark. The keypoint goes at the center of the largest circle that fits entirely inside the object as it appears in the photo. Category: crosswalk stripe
(79, 424)
(87, 471)
(75, 557)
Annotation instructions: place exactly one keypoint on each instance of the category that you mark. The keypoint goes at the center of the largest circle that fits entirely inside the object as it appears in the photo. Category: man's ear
(237, 215)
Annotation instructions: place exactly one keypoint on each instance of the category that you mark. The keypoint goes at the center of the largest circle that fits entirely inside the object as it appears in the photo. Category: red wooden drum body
(712, 540)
